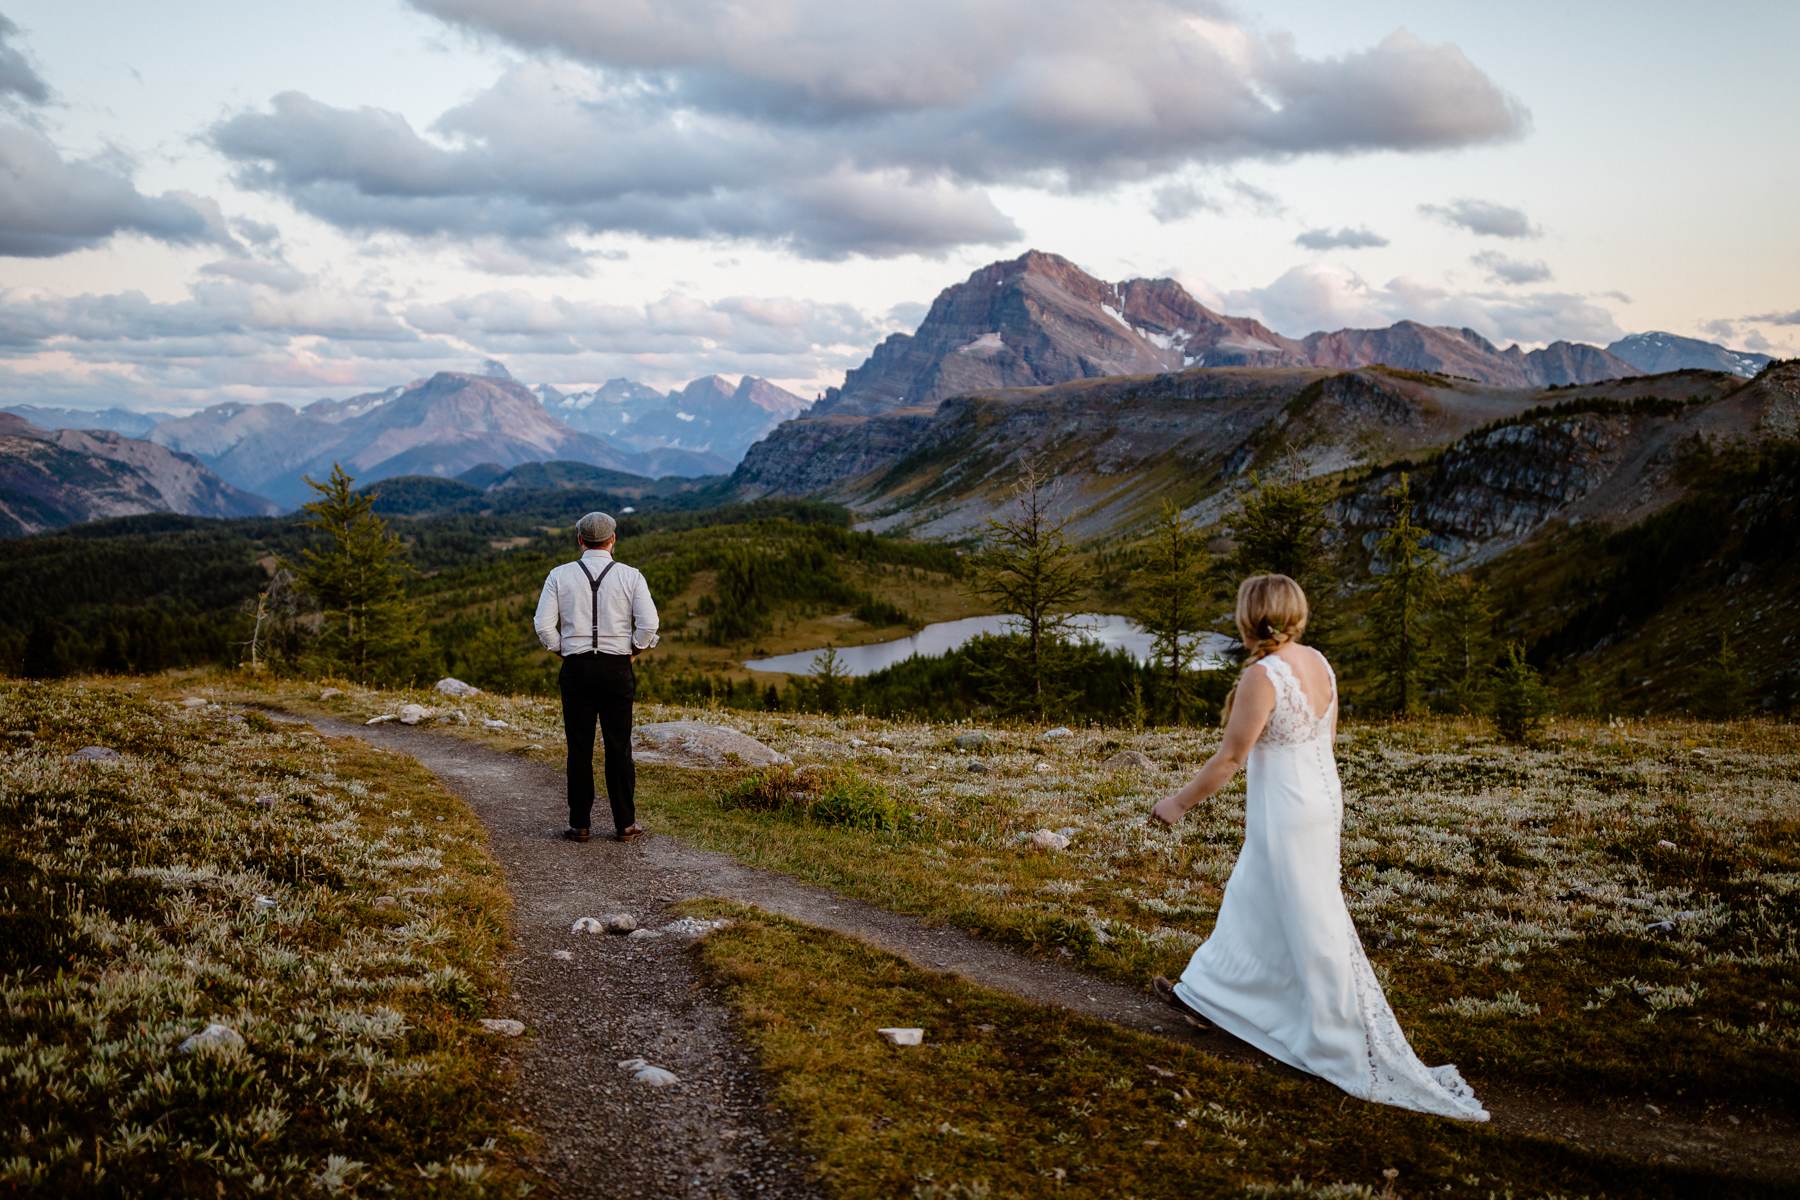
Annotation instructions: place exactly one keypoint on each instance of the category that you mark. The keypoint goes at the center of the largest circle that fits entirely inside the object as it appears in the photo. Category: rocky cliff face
(1037, 320)
(49, 479)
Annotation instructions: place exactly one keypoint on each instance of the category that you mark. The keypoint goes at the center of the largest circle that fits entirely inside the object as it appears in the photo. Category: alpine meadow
(924, 600)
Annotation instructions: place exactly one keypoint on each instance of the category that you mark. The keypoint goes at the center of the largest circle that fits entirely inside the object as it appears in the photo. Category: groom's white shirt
(565, 611)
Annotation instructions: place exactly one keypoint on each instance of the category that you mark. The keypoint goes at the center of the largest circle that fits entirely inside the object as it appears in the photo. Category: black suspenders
(595, 585)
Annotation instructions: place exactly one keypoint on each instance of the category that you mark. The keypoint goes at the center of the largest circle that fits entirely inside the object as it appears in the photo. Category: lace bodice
(1292, 722)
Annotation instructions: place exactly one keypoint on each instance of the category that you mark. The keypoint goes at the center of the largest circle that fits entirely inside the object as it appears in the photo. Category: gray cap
(596, 528)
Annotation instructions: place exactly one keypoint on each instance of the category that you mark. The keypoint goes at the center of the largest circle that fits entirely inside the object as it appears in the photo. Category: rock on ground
(902, 1036)
(94, 754)
(455, 687)
(503, 1026)
(699, 744)
(1130, 760)
(215, 1038)
(620, 923)
(412, 714)
(587, 925)
(971, 741)
(1049, 839)
(1061, 731)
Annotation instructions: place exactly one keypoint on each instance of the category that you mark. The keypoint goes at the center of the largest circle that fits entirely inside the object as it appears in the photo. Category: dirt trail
(628, 998)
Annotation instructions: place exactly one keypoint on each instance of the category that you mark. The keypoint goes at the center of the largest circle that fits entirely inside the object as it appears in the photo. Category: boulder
(648, 1074)
(1049, 839)
(214, 1039)
(456, 687)
(412, 714)
(902, 1036)
(1130, 760)
(1061, 731)
(503, 1026)
(587, 925)
(95, 754)
(971, 741)
(700, 744)
(621, 923)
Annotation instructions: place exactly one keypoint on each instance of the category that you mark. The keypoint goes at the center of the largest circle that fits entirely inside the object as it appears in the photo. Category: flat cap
(595, 528)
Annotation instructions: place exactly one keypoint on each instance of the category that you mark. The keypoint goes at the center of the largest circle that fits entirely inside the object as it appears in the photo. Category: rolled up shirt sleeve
(548, 622)
(643, 617)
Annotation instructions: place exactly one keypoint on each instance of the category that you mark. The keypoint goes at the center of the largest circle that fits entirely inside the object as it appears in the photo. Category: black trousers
(599, 687)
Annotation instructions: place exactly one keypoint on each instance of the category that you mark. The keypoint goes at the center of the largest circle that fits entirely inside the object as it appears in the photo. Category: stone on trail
(455, 687)
(971, 741)
(1061, 731)
(642, 934)
(902, 1036)
(95, 754)
(620, 923)
(649, 1074)
(215, 1038)
(1130, 760)
(700, 744)
(503, 1026)
(562, 955)
(587, 925)
(412, 714)
(384, 717)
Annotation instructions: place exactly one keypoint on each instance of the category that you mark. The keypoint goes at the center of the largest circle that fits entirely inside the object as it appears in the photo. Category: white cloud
(1484, 218)
(1502, 268)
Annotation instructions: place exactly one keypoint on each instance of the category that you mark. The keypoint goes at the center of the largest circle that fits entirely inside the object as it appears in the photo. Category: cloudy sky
(232, 199)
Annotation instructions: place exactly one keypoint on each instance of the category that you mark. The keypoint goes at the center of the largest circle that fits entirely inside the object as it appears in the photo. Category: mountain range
(51, 478)
(1039, 320)
(711, 418)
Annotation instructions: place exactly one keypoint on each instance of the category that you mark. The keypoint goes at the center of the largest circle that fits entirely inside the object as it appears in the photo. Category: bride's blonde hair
(1271, 612)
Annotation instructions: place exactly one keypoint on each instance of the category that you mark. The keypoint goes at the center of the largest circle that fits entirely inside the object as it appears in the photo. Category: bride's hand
(1169, 809)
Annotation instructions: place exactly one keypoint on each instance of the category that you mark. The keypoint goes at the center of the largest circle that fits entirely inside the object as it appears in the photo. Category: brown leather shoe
(1165, 991)
(575, 835)
(635, 833)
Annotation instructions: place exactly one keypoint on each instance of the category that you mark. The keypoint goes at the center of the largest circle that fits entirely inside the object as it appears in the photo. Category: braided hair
(1271, 612)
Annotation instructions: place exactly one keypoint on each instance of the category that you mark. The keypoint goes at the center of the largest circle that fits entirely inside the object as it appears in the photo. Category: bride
(1284, 969)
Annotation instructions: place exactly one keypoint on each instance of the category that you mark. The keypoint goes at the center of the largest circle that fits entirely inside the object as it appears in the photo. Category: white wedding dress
(1284, 969)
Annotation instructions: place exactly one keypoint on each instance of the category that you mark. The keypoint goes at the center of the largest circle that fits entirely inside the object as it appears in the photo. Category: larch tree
(1027, 568)
(1169, 597)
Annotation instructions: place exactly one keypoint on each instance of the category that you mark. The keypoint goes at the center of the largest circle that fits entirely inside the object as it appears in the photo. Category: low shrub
(819, 796)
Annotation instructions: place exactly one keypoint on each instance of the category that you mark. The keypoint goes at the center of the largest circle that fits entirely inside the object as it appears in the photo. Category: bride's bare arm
(1249, 713)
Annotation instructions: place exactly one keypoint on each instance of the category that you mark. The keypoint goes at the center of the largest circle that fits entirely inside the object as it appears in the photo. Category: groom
(597, 615)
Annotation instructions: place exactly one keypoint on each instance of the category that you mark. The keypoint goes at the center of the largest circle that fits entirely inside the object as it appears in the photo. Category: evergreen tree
(1463, 631)
(1279, 529)
(1520, 699)
(43, 653)
(1027, 569)
(1169, 599)
(358, 578)
(828, 677)
(1409, 580)
(1724, 684)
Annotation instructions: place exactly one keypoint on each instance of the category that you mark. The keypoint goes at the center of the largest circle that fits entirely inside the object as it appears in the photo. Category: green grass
(327, 901)
(1008, 1099)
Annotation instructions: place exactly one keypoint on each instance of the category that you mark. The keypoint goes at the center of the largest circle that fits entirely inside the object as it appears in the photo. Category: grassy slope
(1505, 894)
(131, 920)
(1031, 1101)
